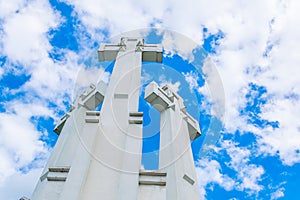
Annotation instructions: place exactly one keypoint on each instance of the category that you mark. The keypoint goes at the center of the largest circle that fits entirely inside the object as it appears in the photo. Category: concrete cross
(150, 52)
(177, 129)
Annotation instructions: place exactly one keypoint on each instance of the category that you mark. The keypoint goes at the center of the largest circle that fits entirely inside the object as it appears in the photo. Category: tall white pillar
(177, 129)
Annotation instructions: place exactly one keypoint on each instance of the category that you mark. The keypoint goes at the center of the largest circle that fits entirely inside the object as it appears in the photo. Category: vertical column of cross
(177, 128)
(115, 168)
(62, 176)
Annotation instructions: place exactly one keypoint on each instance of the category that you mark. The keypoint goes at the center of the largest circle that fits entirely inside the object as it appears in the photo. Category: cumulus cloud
(209, 171)
(32, 44)
(262, 54)
(175, 43)
(248, 174)
(279, 193)
(20, 144)
(25, 45)
(192, 79)
(19, 184)
(214, 86)
(173, 86)
(87, 76)
(1, 72)
(8, 8)
(282, 82)
(259, 46)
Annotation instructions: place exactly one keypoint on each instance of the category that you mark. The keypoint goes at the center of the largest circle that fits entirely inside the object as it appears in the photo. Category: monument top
(150, 52)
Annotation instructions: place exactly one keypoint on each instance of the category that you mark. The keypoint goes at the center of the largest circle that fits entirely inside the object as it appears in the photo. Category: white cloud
(20, 184)
(9, 7)
(115, 16)
(174, 86)
(20, 144)
(87, 76)
(286, 138)
(192, 79)
(6, 165)
(209, 171)
(279, 193)
(176, 43)
(24, 42)
(250, 28)
(163, 80)
(214, 90)
(1, 72)
(246, 179)
(248, 174)
(24, 38)
(283, 84)
(279, 75)
(122, 16)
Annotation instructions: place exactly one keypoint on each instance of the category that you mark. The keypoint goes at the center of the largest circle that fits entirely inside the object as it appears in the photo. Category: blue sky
(235, 63)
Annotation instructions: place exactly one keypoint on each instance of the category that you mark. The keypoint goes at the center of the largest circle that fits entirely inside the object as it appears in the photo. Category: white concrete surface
(102, 150)
(175, 155)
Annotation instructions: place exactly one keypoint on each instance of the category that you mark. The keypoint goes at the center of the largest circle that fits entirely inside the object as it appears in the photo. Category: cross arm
(108, 52)
(90, 99)
(157, 97)
(92, 96)
(193, 126)
(58, 128)
(150, 52)
(164, 98)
